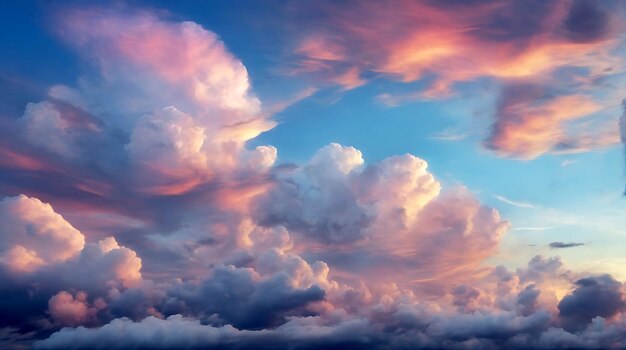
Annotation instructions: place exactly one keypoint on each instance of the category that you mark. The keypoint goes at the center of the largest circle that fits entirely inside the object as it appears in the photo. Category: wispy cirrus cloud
(448, 135)
(514, 203)
(534, 228)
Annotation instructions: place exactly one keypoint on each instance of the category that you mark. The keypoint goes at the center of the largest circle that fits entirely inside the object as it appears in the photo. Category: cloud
(389, 320)
(571, 50)
(448, 135)
(586, 22)
(100, 265)
(165, 104)
(333, 198)
(514, 203)
(389, 216)
(530, 122)
(560, 245)
(43, 256)
(537, 228)
(527, 300)
(68, 310)
(57, 128)
(593, 296)
(237, 298)
(568, 162)
(431, 38)
(33, 235)
(178, 332)
(202, 74)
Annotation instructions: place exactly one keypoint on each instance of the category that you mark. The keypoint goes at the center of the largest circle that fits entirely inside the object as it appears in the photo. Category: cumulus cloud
(527, 300)
(322, 206)
(307, 333)
(238, 298)
(409, 328)
(33, 235)
(45, 126)
(181, 101)
(218, 316)
(44, 256)
(99, 265)
(593, 296)
(334, 198)
(70, 310)
(391, 213)
(178, 332)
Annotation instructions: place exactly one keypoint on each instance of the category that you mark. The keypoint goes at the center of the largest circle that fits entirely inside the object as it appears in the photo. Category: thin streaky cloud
(514, 203)
(448, 135)
(535, 228)
(563, 245)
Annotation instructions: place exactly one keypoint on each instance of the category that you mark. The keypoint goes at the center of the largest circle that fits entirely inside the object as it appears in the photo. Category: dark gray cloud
(403, 326)
(235, 298)
(587, 21)
(327, 211)
(464, 295)
(527, 300)
(593, 296)
(177, 332)
(459, 331)
(560, 245)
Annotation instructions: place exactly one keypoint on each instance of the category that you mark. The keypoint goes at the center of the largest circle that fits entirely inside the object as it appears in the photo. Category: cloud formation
(165, 104)
(547, 57)
(35, 236)
(43, 256)
(593, 297)
(388, 216)
(180, 236)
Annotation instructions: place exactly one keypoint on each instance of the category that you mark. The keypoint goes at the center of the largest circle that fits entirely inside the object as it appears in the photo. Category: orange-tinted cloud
(530, 123)
(461, 42)
(445, 43)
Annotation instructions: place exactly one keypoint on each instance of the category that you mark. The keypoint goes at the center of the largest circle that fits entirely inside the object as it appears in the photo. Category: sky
(313, 175)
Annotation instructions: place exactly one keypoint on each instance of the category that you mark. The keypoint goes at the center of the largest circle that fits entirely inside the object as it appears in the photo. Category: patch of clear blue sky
(587, 190)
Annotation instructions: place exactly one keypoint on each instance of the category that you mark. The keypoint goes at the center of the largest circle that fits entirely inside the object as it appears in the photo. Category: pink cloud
(529, 124)
(70, 310)
(460, 42)
(182, 98)
(38, 240)
(444, 44)
(35, 234)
